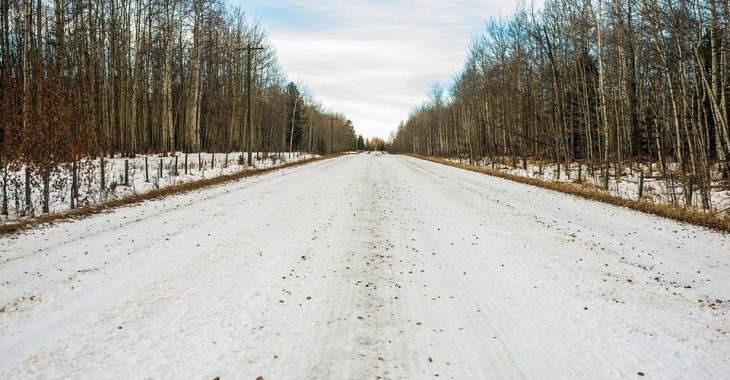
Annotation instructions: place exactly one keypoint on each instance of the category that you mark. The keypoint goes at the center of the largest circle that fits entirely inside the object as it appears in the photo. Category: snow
(658, 189)
(143, 173)
(365, 266)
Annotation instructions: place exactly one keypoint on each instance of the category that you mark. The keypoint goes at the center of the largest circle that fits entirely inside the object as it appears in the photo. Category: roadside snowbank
(123, 177)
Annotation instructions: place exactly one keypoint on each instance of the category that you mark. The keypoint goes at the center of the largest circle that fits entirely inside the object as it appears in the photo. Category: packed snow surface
(366, 266)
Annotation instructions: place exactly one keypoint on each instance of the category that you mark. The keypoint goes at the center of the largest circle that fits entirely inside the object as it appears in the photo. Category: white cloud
(373, 60)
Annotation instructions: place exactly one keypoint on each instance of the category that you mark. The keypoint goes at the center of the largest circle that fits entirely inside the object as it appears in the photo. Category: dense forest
(606, 83)
(88, 78)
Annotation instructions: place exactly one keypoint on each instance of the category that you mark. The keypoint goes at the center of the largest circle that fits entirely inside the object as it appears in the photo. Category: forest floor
(366, 266)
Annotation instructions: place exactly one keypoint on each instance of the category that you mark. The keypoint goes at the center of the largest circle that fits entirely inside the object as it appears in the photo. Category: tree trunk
(168, 144)
(192, 114)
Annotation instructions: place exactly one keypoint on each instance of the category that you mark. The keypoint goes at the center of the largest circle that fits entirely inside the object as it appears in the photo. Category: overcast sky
(372, 60)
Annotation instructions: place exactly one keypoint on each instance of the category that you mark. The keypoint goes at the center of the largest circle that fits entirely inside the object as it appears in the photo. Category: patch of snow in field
(657, 189)
(144, 173)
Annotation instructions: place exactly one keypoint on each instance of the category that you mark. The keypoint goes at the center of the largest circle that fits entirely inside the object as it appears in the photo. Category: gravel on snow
(366, 266)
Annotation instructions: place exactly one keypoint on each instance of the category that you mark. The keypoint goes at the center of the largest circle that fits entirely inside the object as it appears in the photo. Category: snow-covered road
(366, 266)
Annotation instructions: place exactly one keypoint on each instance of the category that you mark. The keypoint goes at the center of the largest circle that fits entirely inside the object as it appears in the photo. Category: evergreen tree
(295, 116)
(360, 143)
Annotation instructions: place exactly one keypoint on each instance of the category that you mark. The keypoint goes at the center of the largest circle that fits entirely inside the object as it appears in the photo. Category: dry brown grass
(589, 192)
(82, 212)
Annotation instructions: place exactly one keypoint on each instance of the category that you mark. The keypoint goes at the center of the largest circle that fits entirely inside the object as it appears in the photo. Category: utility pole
(249, 115)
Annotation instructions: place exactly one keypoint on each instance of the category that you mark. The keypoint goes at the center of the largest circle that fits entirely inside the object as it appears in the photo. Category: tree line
(374, 144)
(85, 78)
(601, 82)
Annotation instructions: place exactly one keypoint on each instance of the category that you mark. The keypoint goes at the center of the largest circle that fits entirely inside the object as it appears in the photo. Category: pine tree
(296, 110)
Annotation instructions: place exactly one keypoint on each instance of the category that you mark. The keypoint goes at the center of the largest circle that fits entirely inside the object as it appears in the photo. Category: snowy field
(366, 266)
(657, 188)
(124, 177)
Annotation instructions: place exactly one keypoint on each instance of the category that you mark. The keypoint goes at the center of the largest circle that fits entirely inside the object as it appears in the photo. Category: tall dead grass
(669, 211)
(85, 211)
